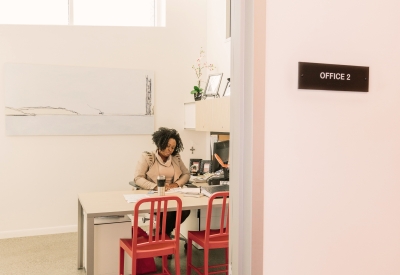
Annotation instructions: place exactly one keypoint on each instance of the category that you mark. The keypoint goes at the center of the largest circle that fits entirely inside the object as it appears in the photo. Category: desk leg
(89, 246)
(80, 235)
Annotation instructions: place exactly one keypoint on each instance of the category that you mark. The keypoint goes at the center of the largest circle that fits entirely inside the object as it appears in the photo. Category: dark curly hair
(162, 136)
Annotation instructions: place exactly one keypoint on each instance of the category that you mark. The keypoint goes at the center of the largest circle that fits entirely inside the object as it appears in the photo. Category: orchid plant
(198, 67)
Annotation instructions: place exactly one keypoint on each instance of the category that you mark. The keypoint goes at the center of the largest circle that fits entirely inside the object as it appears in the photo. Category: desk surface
(113, 203)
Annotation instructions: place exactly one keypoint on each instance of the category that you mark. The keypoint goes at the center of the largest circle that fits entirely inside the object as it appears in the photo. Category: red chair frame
(156, 244)
(211, 238)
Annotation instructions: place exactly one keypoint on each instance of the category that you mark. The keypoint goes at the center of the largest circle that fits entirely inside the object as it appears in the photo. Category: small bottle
(161, 185)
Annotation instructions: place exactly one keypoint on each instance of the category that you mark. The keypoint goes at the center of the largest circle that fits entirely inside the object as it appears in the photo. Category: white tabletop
(113, 202)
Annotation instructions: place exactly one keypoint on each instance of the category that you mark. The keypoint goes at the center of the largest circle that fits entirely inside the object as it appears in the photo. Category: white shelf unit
(190, 116)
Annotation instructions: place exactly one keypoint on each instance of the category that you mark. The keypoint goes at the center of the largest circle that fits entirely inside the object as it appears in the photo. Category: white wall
(218, 47)
(41, 176)
(332, 196)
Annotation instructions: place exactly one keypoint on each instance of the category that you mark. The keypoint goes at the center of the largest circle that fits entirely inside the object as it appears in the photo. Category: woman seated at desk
(165, 160)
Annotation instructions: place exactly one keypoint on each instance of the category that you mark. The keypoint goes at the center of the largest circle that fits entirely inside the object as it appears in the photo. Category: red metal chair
(156, 244)
(211, 238)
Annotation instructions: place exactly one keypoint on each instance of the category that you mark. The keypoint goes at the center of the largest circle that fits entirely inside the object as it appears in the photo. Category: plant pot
(197, 97)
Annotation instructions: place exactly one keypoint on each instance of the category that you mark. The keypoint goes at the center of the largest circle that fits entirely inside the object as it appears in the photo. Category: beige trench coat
(147, 171)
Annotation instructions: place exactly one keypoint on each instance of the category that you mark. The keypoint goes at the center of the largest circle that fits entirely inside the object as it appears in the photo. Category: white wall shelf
(190, 116)
(213, 115)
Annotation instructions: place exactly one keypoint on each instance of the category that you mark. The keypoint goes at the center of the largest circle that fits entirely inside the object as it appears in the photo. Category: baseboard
(38, 231)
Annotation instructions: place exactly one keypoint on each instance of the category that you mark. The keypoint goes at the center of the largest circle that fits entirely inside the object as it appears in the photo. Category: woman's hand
(171, 186)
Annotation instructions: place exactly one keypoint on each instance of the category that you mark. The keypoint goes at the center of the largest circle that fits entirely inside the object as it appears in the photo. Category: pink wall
(332, 192)
(257, 263)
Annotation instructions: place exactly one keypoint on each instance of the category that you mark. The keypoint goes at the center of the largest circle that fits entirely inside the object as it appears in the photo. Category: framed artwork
(212, 86)
(227, 91)
(205, 166)
(54, 100)
(194, 166)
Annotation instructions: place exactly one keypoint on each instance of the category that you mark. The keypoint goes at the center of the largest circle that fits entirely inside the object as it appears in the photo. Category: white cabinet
(203, 115)
(107, 232)
(213, 115)
(190, 115)
(221, 114)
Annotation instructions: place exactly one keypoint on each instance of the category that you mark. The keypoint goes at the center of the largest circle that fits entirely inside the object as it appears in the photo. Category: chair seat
(147, 250)
(213, 242)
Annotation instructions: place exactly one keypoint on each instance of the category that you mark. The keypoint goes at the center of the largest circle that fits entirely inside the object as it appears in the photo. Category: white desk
(102, 204)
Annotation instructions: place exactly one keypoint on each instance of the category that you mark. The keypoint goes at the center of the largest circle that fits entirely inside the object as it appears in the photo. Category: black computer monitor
(222, 149)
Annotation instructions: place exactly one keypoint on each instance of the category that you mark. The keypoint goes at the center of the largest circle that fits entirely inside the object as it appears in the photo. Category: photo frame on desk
(212, 87)
(205, 167)
(194, 166)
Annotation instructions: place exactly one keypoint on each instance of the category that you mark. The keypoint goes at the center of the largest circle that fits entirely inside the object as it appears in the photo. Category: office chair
(156, 244)
(134, 186)
(211, 238)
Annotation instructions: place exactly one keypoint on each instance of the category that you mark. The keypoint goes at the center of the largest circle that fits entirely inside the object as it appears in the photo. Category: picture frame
(205, 167)
(227, 91)
(212, 87)
(194, 166)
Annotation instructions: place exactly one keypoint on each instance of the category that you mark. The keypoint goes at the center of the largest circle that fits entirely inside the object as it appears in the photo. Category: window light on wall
(149, 13)
(34, 12)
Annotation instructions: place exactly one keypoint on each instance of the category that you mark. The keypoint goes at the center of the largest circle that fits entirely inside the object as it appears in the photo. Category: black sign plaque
(318, 76)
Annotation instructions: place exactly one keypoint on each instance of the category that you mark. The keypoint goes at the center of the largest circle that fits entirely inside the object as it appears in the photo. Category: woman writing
(165, 160)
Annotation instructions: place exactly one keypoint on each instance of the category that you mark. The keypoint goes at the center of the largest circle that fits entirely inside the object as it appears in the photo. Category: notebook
(209, 190)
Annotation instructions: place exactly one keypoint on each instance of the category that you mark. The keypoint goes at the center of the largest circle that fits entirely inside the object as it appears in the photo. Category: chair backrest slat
(151, 219)
(221, 226)
(158, 220)
(164, 224)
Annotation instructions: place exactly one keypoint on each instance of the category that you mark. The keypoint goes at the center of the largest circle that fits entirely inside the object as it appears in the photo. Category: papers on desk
(194, 191)
(198, 179)
(186, 191)
(134, 197)
(209, 190)
(201, 178)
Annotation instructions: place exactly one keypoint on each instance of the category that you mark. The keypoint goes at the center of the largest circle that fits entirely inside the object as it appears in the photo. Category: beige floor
(40, 255)
(57, 255)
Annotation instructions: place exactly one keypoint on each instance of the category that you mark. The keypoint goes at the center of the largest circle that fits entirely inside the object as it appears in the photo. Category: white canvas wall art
(67, 100)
